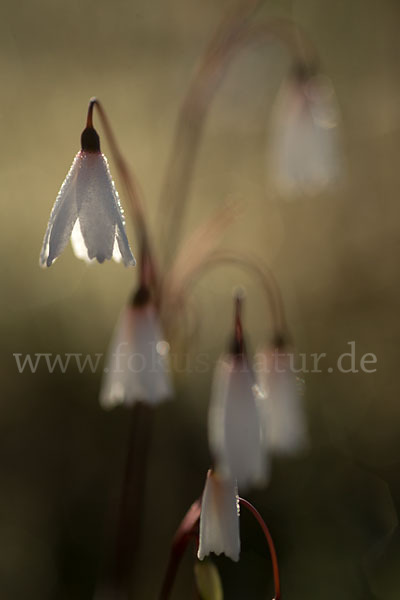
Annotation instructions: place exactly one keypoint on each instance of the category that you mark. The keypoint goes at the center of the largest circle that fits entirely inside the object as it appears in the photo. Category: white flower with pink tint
(219, 518)
(235, 433)
(137, 367)
(87, 210)
(304, 146)
(282, 407)
(236, 436)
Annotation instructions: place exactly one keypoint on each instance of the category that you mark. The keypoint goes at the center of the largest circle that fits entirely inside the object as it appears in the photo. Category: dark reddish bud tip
(237, 344)
(279, 341)
(90, 141)
(303, 72)
(141, 297)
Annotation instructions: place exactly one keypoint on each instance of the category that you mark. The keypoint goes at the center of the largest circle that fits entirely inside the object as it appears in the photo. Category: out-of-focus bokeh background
(332, 512)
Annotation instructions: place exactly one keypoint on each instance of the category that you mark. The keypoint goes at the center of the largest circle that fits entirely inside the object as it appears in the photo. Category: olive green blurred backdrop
(335, 256)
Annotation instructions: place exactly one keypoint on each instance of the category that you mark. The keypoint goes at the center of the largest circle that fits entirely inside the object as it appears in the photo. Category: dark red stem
(147, 262)
(89, 120)
(131, 187)
(238, 341)
(132, 497)
(271, 545)
(185, 532)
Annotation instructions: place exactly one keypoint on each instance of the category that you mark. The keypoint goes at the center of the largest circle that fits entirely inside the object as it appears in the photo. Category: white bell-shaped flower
(137, 366)
(236, 436)
(304, 138)
(219, 518)
(87, 210)
(282, 406)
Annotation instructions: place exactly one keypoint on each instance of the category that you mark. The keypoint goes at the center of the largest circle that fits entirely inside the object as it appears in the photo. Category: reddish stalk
(131, 189)
(128, 181)
(89, 120)
(238, 341)
(288, 33)
(176, 185)
(185, 532)
(234, 34)
(132, 498)
(271, 545)
(263, 274)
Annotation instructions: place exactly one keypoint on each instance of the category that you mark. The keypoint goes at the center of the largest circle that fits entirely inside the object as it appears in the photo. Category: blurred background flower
(235, 426)
(237, 438)
(137, 368)
(304, 149)
(281, 400)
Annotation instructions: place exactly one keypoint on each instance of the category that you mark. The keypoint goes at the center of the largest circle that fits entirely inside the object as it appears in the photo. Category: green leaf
(208, 580)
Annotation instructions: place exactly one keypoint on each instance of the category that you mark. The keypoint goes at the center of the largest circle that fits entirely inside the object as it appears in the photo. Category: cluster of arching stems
(131, 503)
(260, 271)
(235, 33)
(189, 530)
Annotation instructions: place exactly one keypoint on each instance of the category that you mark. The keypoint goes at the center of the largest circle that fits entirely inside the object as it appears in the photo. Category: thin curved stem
(89, 120)
(132, 192)
(238, 327)
(127, 179)
(233, 35)
(263, 274)
(132, 505)
(185, 532)
(271, 545)
(288, 33)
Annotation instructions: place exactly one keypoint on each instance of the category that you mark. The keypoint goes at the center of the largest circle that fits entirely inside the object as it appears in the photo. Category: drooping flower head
(87, 209)
(236, 436)
(304, 147)
(282, 407)
(219, 518)
(137, 367)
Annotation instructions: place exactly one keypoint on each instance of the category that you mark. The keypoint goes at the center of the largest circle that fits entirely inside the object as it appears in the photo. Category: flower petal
(137, 365)
(78, 243)
(219, 518)
(304, 138)
(100, 215)
(235, 432)
(62, 218)
(123, 249)
(284, 418)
